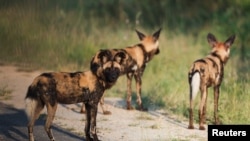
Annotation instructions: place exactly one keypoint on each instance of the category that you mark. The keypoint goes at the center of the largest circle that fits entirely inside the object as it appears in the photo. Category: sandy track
(121, 125)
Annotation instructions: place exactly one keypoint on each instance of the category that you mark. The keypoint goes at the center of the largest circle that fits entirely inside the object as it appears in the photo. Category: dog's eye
(117, 70)
(107, 69)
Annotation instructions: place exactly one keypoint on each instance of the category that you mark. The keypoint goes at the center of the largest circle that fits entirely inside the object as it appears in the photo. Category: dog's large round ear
(95, 63)
(156, 35)
(94, 67)
(104, 56)
(120, 57)
(229, 41)
(211, 40)
(140, 35)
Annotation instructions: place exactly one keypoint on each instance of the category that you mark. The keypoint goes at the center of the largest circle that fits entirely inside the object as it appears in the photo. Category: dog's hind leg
(216, 100)
(191, 113)
(191, 106)
(129, 91)
(201, 107)
(50, 117)
(33, 110)
(138, 92)
(204, 110)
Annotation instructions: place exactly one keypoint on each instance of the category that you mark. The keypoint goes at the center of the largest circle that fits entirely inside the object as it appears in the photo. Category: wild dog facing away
(133, 65)
(141, 54)
(207, 72)
(50, 89)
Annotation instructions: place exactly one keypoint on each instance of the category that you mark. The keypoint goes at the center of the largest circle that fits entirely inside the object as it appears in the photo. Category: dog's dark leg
(204, 109)
(191, 114)
(93, 115)
(50, 117)
(87, 122)
(138, 92)
(216, 100)
(129, 91)
(90, 124)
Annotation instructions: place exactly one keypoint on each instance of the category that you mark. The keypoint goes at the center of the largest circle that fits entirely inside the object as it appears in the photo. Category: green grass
(5, 92)
(165, 81)
(65, 40)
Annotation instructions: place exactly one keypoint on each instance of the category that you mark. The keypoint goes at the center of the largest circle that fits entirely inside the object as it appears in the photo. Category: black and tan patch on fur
(210, 70)
(50, 89)
(133, 60)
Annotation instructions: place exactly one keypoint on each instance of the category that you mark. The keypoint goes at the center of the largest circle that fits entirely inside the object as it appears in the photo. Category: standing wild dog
(133, 64)
(50, 89)
(141, 54)
(207, 72)
(97, 62)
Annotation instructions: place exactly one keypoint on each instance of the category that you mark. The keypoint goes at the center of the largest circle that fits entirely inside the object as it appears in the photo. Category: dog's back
(140, 54)
(63, 87)
(144, 51)
(211, 67)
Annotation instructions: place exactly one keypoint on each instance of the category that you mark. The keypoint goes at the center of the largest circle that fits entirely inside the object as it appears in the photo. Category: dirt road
(122, 125)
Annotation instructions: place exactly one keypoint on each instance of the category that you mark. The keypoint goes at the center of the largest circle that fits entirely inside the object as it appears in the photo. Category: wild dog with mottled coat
(141, 54)
(208, 72)
(133, 65)
(50, 89)
(97, 62)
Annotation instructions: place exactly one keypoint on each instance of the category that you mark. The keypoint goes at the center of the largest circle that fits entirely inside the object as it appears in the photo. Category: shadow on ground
(13, 127)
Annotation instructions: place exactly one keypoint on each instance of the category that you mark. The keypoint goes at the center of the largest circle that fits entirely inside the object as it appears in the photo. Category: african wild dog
(50, 89)
(97, 62)
(207, 72)
(134, 63)
(141, 54)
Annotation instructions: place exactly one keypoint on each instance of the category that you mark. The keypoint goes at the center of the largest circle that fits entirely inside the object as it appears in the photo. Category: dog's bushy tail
(31, 101)
(194, 85)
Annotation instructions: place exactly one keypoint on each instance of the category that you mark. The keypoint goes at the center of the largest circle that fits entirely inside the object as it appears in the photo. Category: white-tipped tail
(30, 105)
(195, 85)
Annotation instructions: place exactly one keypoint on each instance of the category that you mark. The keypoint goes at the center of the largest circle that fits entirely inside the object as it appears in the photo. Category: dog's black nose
(112, 74)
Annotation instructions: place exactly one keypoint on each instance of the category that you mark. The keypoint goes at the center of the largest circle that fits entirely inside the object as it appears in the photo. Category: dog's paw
(107, 113)
(130, 108)
(202, 127)
(141, 108)
(191, 127)
(82, 112)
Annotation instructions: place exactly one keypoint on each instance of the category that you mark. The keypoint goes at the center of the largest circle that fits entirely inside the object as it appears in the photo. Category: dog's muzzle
(111, 74)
